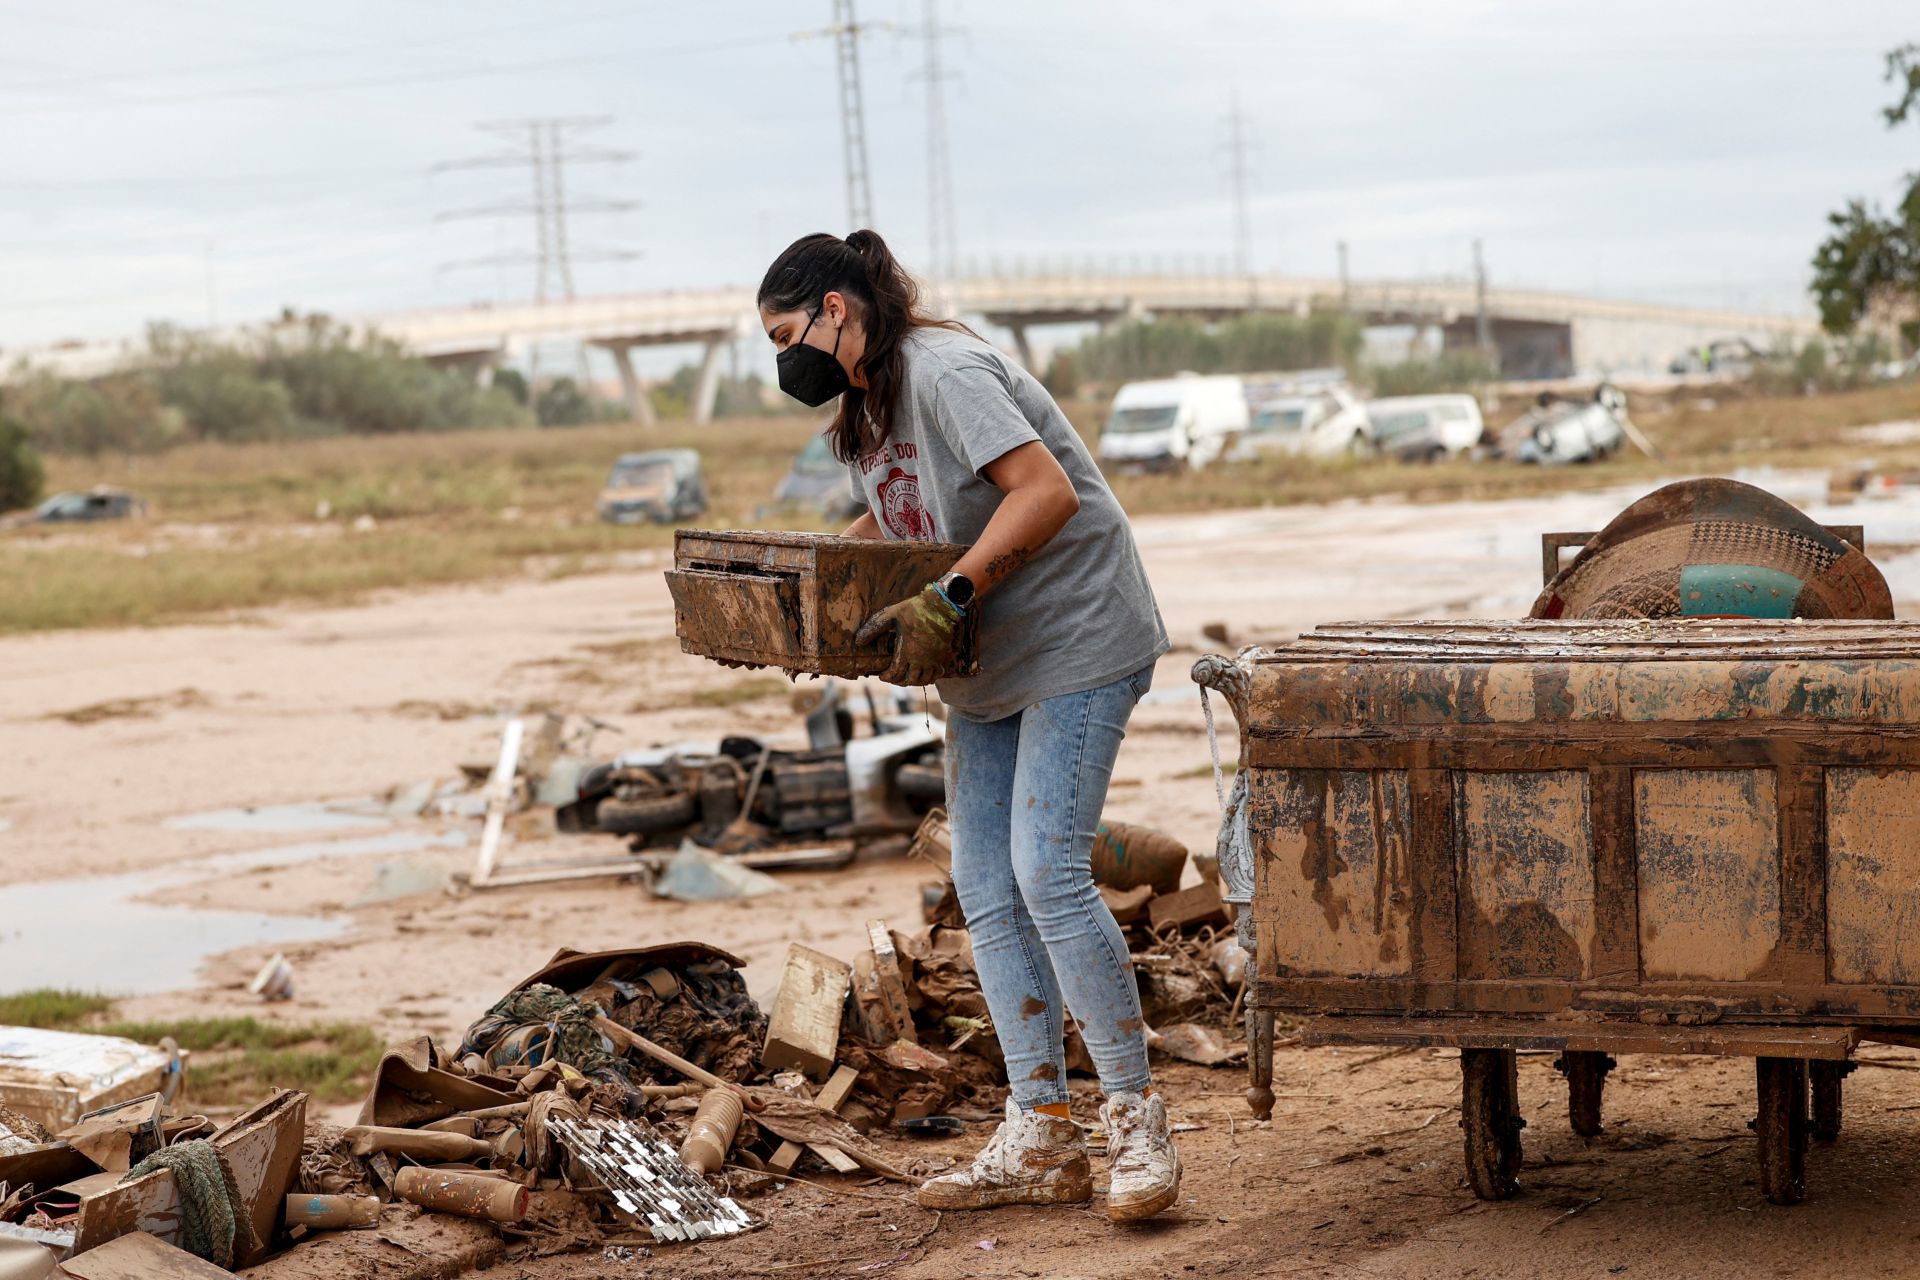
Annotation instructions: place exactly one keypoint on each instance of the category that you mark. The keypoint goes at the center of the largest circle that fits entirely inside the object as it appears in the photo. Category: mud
(1301, 1196)
(796, 600)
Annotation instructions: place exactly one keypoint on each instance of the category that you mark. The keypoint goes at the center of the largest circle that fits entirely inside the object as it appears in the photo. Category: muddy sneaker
(1031, 1159)
(1143, 1168)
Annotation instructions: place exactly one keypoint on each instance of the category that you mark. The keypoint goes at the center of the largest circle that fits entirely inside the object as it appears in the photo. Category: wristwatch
(958, 589)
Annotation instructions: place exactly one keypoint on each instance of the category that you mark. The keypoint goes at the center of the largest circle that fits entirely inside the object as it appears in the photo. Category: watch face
(959, 589)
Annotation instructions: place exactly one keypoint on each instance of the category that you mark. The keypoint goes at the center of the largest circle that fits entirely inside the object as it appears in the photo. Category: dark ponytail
(888, 302)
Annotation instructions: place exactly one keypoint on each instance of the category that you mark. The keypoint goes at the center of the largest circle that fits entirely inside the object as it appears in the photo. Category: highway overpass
(1534, 333)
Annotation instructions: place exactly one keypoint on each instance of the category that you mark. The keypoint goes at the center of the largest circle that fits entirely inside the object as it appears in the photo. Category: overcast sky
(168, 158)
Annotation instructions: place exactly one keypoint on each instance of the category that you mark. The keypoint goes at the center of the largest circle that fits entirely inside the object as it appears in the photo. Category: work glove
(926, 633)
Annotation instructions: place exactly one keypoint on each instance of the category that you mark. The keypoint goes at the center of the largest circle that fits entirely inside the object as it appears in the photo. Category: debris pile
(760, 805)
(610, 1099)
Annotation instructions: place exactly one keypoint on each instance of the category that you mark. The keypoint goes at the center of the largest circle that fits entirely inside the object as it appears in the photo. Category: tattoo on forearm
(1007, 563)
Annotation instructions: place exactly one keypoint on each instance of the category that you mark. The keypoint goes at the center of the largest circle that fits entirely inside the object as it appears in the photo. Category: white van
(1183, 421)
(1327, 422)
(1426, 428)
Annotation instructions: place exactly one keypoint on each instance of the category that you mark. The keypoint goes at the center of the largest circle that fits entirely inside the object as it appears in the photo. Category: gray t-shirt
(1081, 613)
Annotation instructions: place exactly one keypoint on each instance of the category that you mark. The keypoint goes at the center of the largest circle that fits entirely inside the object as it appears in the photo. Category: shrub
(1247, 344)
(1452, 371)
(21, 475)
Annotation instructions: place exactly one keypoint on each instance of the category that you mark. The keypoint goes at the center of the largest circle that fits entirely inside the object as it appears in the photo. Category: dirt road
(115, 737)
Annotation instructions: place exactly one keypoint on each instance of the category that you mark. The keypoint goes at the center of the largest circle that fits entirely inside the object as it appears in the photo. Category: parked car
(1173, 423)
(664, 486)
(820, 481)
(1558, 431)
(1426, 428)
(1323, 423)
(1731, 357)
(95, 504)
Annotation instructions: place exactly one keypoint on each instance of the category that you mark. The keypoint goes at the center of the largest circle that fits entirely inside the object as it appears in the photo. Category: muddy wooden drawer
(795, 600)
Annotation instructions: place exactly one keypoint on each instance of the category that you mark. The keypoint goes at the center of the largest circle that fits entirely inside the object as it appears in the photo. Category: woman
(950, 441)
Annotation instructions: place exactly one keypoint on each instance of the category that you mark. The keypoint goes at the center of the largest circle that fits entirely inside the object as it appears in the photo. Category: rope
(209, 1197)
(1213, 745)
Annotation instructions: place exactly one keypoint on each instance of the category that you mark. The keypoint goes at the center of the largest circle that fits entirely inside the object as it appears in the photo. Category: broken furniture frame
(1552, 544)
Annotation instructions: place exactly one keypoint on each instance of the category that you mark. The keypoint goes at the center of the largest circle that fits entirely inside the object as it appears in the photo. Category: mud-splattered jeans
(1025, 795)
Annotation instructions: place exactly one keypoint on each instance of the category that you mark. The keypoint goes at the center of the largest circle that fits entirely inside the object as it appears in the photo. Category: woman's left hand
(927, 637)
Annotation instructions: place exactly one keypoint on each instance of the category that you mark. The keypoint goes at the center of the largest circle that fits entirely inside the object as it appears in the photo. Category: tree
(21, 475)
(563, 404)
(1872, 260)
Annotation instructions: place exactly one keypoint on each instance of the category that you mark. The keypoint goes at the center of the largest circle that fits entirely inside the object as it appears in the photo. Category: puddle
(286, 819)
(92, 933)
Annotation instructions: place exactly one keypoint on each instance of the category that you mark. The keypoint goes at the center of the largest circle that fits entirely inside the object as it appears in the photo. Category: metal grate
(648, 1181)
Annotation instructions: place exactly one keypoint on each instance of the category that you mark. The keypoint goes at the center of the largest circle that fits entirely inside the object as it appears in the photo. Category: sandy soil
(1359, 1170)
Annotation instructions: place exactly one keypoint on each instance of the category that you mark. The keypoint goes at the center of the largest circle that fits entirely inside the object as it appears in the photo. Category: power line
(407, 78)
(846, 31)
(545, 152)
(943, 251)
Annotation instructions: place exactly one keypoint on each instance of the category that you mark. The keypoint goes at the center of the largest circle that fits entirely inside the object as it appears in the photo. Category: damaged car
(663, 486)
(1558, 431)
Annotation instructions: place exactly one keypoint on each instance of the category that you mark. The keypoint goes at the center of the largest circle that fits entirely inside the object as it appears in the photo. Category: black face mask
(810, 375)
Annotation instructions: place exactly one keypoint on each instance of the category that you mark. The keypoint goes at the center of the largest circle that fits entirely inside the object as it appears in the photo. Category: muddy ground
(115, 736)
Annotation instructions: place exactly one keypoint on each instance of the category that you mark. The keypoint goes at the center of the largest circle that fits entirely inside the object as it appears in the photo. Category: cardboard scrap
(139, 1256)
(263, 1149)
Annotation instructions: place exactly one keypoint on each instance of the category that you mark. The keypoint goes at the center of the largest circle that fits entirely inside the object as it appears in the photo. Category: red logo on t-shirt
(900, 508)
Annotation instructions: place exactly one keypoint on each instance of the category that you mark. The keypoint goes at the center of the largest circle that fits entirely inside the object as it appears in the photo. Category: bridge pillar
(1024, 347)
(634, 391)
(706, 388)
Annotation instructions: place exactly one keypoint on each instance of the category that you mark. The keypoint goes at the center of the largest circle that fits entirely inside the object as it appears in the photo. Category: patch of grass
(236, 1061)
(131, 708)
(1227, 768)
(51, 1009)
(236, 525)
(750, 690)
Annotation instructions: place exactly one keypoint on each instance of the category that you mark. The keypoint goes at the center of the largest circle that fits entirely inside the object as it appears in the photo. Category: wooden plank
(1187, 908)
(804, 1030)
(1873, 875)
(1709, 859)
(1801, 957)
(1772, 1001)
(1517, 747)
(894, 1010)
(1434, 935)
(1526, 874)
(1745, 1040)
(1616, 877)
(139, 1256)
(836, 1091)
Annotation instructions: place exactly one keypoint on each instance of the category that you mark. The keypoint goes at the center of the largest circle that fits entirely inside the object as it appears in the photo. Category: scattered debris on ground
(613, 1098)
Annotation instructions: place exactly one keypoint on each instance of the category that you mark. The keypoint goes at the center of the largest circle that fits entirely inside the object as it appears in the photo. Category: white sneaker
(1032, 1158)
(1143, 1166)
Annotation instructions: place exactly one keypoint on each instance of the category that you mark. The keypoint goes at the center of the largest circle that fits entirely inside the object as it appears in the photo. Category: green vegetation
(253, 525)
(1248, 344)
(307, 378)
(1465, 371)
(22, 475)
(236, 1061)
(749, 690)
(1870, 263)
(61, 1010)
(240, 526)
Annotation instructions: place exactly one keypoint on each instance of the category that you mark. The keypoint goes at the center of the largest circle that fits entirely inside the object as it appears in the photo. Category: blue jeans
(1024, 795)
